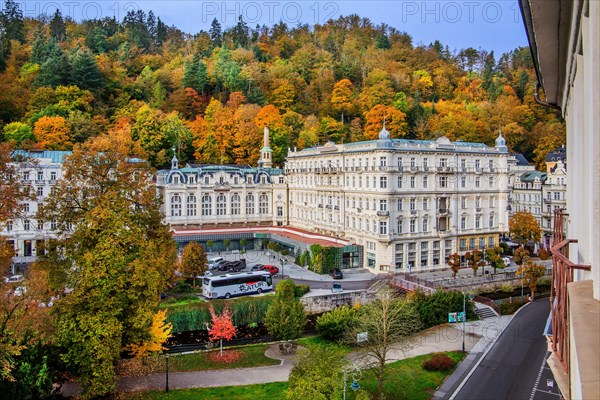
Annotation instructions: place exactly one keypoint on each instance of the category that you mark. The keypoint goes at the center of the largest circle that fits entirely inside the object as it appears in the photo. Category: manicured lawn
(406, 379)
(251, 356)
(267, 391)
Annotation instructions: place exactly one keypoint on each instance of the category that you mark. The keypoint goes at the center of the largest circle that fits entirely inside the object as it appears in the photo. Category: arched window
(263, 204)
(175, 206)
(250, 204)
(191, 205)
(206, 205)
(235, 204)
(221, 204)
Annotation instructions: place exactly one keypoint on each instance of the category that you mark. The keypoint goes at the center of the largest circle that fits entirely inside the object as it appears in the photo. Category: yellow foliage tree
(159, 332)
(523, 228)
(341, 98)
(531, 273)
(52, 133)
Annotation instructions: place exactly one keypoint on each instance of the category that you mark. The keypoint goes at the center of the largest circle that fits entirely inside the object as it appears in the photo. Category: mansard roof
(56, 156)
(532, 176)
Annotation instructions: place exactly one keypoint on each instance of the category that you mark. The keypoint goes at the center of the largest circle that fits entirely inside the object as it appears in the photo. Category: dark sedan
(336, 274)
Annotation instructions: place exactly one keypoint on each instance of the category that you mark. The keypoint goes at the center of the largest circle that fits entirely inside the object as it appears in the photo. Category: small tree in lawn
(222, 326)
(193, 261)
(389, 322)
(286, 317)
(531, 273)
(494, 257)
(454, 263)
(475, 260)
(316, 374)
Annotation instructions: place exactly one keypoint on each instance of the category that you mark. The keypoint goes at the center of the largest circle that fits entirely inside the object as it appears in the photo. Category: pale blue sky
(491, 25)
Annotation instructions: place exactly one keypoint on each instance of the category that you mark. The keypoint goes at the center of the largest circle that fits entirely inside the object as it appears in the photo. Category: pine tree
(56, 70)
(58, 28)
(216, 35)
(240, 33)
(85, 72)
(39, 49)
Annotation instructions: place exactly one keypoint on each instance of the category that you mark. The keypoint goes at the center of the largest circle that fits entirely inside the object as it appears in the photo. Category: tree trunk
(380, 379)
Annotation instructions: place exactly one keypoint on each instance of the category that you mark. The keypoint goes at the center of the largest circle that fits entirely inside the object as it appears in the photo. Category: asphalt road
(514, 368)
(346, 285)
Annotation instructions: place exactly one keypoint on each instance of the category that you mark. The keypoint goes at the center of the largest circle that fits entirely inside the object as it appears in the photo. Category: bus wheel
(227, 295)
(259, 291)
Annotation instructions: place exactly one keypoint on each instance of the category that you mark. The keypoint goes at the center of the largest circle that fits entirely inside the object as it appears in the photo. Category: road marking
(545, 391)
(539, 376)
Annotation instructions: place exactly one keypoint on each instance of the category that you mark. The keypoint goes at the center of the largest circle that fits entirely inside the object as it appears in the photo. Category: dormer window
(206, 180)
(176, 179)
(263, 179)
(236, 180)
(191, 179)
(221, 180)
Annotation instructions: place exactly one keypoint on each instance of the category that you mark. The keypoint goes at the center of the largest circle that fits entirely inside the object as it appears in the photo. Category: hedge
(195, 316)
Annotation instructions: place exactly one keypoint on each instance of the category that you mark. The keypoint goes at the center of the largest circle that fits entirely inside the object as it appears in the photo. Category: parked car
(14, 279)
(257, 267)
(216, 264)
(271, 268)
(233, 266)
(337, 288)
(213, 263)
(336, 274)
(506, 261)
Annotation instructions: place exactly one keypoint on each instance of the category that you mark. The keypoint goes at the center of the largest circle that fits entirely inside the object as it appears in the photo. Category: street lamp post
(464, 319)
(356, 374)
(282, 261)
(167, 371)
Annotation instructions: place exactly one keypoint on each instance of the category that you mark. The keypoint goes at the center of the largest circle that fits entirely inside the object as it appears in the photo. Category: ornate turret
(174, 160)
(385, 140)
(501, 143)
(266, 154)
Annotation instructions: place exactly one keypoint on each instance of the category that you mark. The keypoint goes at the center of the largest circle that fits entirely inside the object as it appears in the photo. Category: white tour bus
(237, 284)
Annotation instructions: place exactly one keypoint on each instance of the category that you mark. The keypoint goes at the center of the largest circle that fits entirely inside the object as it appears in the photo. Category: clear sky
(490, 25)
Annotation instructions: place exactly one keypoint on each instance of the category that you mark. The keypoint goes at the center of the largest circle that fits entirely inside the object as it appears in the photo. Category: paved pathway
(439, 339)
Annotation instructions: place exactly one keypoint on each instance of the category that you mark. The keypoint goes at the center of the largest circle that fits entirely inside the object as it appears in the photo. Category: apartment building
(40, 170)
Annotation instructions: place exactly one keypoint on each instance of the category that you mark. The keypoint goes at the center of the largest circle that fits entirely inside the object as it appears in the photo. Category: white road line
(545, 391)
(537, 381)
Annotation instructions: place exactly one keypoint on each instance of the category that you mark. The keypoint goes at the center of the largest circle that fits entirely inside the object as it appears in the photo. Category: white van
(506, 261)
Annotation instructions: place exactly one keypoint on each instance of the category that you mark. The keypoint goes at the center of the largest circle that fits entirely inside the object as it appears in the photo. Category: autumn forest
(209, 95)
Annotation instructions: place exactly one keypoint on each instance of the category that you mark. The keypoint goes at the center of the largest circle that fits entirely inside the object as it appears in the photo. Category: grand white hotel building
(405, 204)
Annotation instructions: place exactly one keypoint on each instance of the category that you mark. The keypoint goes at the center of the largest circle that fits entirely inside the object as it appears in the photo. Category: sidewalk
(479, 336)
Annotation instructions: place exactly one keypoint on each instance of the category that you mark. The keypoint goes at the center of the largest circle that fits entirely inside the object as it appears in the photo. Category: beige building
(564, 37)
(409, 203)
(554, 191)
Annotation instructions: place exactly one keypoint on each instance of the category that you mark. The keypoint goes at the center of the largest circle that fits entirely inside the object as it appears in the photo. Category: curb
(474, 359)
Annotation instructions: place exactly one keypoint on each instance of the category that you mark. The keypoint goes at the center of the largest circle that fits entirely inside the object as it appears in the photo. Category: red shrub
(438, 362)
(228, 357)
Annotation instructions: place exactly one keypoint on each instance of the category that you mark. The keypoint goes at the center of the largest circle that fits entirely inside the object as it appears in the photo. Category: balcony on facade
(575, 316)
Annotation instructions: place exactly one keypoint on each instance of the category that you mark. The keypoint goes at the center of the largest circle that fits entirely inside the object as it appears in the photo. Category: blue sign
(455, 317)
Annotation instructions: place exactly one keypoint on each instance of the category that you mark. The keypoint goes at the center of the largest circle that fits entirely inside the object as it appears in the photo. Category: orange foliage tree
(52, 133)
(222, 326)
(394, 122)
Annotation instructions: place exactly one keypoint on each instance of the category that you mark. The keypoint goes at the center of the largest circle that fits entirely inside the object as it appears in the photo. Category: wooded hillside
(209, 95)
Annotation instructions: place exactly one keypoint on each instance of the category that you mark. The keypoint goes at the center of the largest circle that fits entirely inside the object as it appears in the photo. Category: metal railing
(562, 275)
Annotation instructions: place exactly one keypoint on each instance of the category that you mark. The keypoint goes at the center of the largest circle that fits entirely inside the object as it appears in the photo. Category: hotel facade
(402, 205)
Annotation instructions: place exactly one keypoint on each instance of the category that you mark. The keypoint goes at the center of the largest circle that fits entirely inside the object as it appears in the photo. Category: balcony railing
(562, 275)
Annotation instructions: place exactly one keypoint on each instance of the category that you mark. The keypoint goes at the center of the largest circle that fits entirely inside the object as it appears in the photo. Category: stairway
(484, 311)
